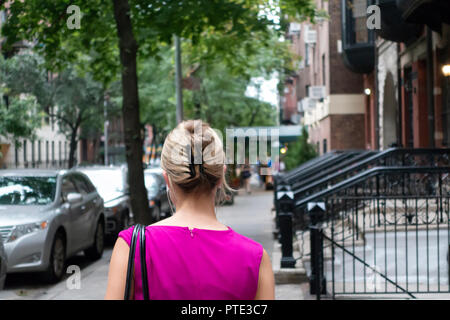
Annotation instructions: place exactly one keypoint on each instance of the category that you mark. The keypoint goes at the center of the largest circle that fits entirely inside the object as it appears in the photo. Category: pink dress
(197, 264)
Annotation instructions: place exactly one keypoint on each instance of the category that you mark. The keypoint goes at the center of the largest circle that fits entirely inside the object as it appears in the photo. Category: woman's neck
(196, 210)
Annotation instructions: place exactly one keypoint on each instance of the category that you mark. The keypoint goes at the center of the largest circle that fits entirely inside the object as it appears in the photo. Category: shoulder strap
(143, 263)
(130, 264)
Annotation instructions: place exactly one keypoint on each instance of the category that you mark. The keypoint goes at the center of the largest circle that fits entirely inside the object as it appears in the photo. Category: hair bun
(193, 156)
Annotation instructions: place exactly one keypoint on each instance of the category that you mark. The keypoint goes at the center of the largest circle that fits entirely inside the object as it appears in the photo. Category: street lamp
(446, 70)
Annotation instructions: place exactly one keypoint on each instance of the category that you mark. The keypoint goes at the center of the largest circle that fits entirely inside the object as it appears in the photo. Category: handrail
(310, 162)
(367, 174)
(325, 164)
(332, 170)
(363, 164)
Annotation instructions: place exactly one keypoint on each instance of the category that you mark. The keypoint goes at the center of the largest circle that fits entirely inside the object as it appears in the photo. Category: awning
(430, 12)
(393, 25)
(285, 133)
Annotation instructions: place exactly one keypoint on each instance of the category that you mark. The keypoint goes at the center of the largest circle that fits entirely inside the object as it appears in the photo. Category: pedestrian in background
(246, 175)
(191, 255)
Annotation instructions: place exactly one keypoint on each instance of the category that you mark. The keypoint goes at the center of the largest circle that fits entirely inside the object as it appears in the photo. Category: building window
(324, 146)
(16, 154)
(53, 152)
(25, 152)
(39, 152)
(33, 158)
(307, 58)
(47, 159)
(60, 152)
(324, 71)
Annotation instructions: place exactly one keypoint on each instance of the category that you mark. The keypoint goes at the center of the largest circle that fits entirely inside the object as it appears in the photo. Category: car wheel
(95, 252)
(55, 269)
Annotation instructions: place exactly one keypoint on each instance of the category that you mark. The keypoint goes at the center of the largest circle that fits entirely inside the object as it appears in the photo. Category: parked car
(157, 193)
(47, 216)
(3, 264)
(111, 183)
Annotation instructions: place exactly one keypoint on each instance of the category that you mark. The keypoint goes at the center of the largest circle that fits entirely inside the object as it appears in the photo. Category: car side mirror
(74, 197)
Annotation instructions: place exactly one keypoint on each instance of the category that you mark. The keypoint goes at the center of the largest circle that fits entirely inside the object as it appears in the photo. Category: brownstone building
(327, 96)
(404, 63)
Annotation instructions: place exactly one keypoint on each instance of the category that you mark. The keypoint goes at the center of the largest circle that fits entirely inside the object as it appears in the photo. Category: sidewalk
(250, 215)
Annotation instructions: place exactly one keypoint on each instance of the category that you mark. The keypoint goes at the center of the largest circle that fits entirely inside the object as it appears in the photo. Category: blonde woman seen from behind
(191, 255)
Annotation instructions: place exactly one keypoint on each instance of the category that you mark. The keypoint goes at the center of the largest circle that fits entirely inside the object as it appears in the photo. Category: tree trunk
(72, 147)
(130, 113)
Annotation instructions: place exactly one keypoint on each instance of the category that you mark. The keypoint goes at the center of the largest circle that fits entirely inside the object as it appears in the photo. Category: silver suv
(111, 183)
(47, 216)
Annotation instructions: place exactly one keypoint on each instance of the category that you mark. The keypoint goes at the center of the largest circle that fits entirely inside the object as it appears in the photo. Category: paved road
(250, 216)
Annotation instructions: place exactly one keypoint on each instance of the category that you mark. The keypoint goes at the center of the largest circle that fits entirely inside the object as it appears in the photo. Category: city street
(250, 215)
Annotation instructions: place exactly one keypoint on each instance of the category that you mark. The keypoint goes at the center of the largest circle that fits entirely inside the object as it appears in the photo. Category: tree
(19, 119)
(19, 115)
(128, 29)
(299, 151)
(67, 97)
(78, 100)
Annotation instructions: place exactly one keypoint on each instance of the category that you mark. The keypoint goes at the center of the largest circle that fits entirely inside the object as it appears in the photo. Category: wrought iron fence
(384, 231)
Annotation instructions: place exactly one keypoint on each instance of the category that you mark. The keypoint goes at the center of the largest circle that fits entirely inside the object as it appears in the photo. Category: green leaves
(299, 151)
(20, 119)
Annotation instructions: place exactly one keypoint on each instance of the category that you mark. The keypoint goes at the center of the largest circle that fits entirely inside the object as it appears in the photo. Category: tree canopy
(114, 34)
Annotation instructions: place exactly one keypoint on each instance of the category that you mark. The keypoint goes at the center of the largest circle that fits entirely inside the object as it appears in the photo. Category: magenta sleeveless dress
(197, 264)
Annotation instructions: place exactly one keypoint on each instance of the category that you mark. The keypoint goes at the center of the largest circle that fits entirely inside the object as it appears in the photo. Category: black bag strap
(138, 229)
(143, 263)
(130, 264)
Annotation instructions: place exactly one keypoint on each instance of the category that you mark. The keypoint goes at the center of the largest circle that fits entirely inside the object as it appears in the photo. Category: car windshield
(18, 190)
(151, 184)
(109, 183)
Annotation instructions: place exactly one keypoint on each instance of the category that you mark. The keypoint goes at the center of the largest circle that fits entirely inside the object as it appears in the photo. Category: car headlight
(23, 229)
(112, 210)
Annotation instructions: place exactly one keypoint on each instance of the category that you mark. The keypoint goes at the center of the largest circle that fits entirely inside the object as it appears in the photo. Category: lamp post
(105, 128)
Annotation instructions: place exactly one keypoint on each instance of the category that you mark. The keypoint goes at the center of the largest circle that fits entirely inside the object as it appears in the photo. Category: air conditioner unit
(306, 104)
(294, 28)
(310, 36)
(311, 104)
(317, 92)
(300, 106)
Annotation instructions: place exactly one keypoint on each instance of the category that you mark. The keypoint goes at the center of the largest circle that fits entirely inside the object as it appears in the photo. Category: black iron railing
(384, 231)
(390, 157)
(384, 227)
(323, 163)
